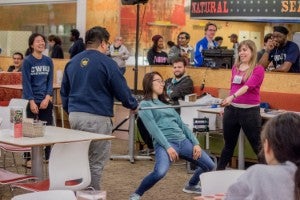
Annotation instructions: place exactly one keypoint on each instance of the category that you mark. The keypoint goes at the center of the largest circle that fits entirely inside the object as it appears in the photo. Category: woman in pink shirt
(242, 105)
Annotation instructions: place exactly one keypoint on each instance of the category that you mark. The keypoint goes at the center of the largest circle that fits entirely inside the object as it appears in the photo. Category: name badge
(237, 79)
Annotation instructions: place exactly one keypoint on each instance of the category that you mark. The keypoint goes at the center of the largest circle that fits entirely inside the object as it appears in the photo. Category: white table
(52, 135)
(241, 157)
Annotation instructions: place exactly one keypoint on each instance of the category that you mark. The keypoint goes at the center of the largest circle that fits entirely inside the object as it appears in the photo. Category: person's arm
(198, 58)
(65, 90)
(10, 69)
(264, 60)
(285, 67)
(181, 89)
(120, 88)
(186, 131)
(254, 80)
(152, 127)
(150, 57)
(173, 54)
(44, 104)
(265, 57)
(126, 54)
(57, 52)
(26, 80)
(50, 78)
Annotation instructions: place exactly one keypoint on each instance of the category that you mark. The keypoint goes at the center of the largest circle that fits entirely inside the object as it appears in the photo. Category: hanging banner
(246, 10)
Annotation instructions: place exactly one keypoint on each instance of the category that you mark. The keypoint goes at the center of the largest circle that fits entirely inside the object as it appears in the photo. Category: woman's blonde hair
(253, 60)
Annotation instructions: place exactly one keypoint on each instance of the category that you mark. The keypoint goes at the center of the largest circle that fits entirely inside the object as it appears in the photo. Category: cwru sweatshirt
(37, 78)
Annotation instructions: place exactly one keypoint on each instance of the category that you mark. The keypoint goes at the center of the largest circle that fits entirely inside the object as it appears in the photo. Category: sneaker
(134, 196)
(195, 189)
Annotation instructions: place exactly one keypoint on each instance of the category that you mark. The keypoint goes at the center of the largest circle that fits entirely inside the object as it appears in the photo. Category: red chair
(12, 149)
(7, 177)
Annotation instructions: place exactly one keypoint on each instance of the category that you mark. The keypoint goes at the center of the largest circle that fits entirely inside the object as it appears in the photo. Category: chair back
(215, 182)
(20, 103)
(5, 115)
(69, 166)
(47, 195)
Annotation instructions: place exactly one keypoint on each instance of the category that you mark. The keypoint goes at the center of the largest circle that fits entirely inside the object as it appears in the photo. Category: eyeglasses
(159, 81)
(214, 30)
(182, 38)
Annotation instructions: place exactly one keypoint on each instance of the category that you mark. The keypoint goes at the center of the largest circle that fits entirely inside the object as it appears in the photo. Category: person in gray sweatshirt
(280, 179)
(119, 53)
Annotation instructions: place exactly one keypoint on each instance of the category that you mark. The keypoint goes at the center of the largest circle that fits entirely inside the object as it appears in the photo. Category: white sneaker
(134, 196)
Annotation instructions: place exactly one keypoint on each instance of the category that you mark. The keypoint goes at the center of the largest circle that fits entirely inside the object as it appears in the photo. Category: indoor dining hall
(149, 99)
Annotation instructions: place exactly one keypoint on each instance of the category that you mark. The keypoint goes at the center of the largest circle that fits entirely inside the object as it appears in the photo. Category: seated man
(17, 62)
(285, 55)
(181, 84)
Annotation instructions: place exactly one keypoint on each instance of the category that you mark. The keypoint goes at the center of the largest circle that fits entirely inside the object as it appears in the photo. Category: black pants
(44, 115)
(234, 119)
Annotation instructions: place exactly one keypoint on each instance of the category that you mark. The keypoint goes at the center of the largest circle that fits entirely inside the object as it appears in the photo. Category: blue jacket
(77, 47)
(202, 44)
(91, 81)
(37, 78)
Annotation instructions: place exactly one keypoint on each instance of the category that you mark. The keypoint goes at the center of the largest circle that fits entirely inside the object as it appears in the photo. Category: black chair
(147, 138)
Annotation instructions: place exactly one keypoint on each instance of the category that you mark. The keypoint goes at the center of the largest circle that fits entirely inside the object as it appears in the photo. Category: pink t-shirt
(254, 82)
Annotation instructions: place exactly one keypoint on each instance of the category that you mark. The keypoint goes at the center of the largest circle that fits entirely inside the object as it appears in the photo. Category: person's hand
(44, 103)
(270, 46)
(172, 154)
(227, 101)
(184, 54)
(221, 113)
(134, 111)
(197, 152)
(33, 107)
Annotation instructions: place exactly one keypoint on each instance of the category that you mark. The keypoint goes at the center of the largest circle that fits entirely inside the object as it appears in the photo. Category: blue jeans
(162, 163)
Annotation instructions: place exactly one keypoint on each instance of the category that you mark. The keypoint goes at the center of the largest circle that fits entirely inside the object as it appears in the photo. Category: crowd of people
(94, 76)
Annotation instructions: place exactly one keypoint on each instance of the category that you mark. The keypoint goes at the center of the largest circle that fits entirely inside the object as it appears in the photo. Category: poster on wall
(247, 10)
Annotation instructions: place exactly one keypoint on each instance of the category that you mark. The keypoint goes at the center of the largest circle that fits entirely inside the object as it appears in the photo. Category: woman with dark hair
(171, 138)
(37, 81)
(156, 55)
(55, 45)
(280, 179)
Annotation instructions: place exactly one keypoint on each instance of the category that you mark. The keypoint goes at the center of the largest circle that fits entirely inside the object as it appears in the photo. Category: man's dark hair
(267, 37)
(95, 36)
(210, 24)
(75, 33)
(218, 38)
(20, 54)
(187, 36)
(180, 59)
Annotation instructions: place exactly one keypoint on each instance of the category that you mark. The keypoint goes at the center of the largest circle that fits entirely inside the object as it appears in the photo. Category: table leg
(241, 156)
(37, 162)
(130, 155)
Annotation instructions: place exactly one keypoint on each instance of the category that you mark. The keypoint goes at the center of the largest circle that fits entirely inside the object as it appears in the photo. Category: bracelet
(234, 96)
